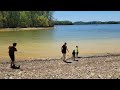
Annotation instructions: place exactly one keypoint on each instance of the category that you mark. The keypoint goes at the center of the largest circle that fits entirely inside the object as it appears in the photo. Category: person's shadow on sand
(67, 61)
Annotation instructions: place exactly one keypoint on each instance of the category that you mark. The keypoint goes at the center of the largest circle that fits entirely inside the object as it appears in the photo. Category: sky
(87, 15)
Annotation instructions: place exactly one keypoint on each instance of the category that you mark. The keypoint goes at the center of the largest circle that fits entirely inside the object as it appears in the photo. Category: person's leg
(64, 56)
(11, 64)
(12, 60)
(73, 57)
(77, 56)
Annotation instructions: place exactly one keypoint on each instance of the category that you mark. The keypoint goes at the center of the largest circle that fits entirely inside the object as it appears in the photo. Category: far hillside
(96, 22)
(63, 23)
(84, 23)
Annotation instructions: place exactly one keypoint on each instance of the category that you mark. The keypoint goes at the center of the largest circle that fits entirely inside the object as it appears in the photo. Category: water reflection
(34, 36)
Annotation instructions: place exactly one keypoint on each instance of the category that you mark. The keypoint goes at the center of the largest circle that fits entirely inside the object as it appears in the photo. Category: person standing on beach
(12, 50)
(64, 49)
(73, 55)
(77, 52)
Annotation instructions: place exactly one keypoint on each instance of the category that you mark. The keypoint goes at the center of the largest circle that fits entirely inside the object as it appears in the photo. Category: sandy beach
(24, 29)
(92, 67)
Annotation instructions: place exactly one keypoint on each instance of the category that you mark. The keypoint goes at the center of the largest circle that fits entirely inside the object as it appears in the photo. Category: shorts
(73, 55)
(64, 52)
(12, 57)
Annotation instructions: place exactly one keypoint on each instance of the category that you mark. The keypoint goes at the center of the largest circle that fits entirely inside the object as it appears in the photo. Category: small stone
(19, 77)
(87, 76)
(100, 76)
(20, 72)
(6, 77)
(118, 69)
(11, 78)
(92, 74)
(109, 76)
(115, 68)
(33, 70)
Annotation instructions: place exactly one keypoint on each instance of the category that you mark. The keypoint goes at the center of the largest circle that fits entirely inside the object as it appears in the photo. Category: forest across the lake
(29, 19)
(25, 19)
(84, 23)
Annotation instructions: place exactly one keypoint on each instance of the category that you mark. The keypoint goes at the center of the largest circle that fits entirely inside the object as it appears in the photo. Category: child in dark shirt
(73, 54)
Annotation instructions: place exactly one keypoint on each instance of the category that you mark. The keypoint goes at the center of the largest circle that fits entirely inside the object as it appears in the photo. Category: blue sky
(87, 15)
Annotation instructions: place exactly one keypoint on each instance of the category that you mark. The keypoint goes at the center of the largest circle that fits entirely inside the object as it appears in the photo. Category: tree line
(97, 22)
(13, 19)
(82, 23)
(63, 23)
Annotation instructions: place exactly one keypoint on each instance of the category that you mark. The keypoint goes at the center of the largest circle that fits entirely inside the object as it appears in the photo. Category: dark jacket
(12, 50)
(73, 53)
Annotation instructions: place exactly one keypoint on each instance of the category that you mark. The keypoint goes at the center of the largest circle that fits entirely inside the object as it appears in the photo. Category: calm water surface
(91, 39)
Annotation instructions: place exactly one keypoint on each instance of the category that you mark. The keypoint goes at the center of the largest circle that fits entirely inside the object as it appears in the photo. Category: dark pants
(12, 57)
(77, 53)
(74, 57)
(64, 56)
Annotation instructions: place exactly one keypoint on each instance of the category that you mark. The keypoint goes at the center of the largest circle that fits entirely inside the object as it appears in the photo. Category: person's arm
(67, 50)
(9, 47)
(15, 49)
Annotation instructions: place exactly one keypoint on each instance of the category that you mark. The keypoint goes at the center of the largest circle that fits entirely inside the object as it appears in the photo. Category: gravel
(85, 68)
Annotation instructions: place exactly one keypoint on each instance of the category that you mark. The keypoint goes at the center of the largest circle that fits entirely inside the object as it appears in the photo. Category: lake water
(91, 39)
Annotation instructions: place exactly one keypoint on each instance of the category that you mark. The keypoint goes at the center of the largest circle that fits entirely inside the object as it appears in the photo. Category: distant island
(84, 23)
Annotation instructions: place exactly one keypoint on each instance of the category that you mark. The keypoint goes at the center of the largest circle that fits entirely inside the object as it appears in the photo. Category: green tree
(24, 19)
(42, 21)
(13, 19)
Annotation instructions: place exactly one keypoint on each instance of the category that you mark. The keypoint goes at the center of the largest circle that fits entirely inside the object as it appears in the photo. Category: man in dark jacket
(64, 49)
(12, 50)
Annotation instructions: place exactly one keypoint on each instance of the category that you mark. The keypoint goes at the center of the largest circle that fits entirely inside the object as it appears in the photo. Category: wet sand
(91, 67)
(36, 50)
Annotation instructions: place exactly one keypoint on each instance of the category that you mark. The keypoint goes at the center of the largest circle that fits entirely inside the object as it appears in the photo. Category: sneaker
(64, 60)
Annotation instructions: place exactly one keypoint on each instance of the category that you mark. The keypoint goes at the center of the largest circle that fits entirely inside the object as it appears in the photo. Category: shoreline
(25, 29)
(49, 58)
(102, 67)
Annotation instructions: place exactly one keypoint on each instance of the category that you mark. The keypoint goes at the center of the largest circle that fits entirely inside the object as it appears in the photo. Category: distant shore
(25, 29)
